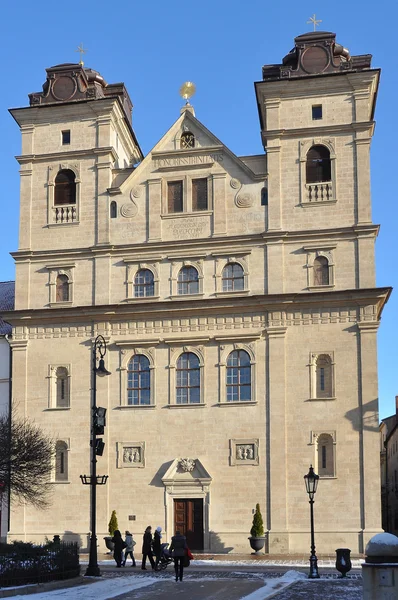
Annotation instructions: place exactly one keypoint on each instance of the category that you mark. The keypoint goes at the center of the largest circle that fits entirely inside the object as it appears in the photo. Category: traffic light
(99, 447)
(99, 420)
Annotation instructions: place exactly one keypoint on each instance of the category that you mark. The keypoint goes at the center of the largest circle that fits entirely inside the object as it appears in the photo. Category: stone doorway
(188, 519)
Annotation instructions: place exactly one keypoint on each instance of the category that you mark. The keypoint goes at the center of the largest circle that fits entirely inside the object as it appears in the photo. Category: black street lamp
(97, 448)
(311, 484)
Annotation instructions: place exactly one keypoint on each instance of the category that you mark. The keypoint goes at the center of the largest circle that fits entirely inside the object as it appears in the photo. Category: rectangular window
(323, 457)
(174, 197)
(322, 379)
(316, 112)
(66, 137)
(199, 194)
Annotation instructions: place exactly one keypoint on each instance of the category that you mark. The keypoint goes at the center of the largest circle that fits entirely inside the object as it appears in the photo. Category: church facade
(237, 299)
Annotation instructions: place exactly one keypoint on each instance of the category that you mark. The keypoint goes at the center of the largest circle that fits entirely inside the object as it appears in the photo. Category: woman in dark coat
(178, 547)
(147, 548)
(118, 547)
(157, 536)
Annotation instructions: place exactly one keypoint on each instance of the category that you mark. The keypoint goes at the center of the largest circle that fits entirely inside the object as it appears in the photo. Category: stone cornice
(212, 246)
(67, 155)
(319, 130)
(276, 304)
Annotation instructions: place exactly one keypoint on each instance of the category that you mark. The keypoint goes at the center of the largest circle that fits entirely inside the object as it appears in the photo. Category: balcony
(321, 191)
(66, 213)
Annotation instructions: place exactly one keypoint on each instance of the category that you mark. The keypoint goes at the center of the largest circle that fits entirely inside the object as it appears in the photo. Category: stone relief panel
(244, 452)
(130, 454)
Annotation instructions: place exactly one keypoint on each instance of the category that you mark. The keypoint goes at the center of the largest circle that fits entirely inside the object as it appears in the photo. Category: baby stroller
(165, 557)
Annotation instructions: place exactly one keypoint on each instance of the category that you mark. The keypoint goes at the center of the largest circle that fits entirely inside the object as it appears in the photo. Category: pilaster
(276, 480)
(154, 210)
(368, 423)
(219, 207)
(363, 180)
(102, 279)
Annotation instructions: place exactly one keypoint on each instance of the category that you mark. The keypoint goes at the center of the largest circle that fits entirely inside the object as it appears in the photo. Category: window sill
(135, 406)
(319, 288)
(237, 403)
(179, 215)
(141, 299)
(321, 399)
(60, 304)
(327, 477)
(186, 296)
(64, 224)
(232, 293)
(55, 408)
(198, 405)
(318, 203)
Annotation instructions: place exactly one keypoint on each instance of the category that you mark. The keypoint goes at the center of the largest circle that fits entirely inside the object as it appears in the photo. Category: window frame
(314, 252)
(233, 279)
(313, 376)
(174, 354)
(316, 437)
(132, 268)
(53, 210)
(66, 137)
(224, 352)
(304, 147)
(54, 271)
(188, 283)
(175, 268)
(127, 350)
(140, 375)
(186, 195)
(53, 386)
(144, 285)
(54, 475)
(316, 110)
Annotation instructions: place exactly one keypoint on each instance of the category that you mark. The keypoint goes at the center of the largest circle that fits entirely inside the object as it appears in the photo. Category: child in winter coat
(130, 543)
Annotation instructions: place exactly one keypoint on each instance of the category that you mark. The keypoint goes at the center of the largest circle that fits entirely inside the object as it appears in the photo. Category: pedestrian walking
(147, 548)
(118, 546)
(178, 547)
(157, 537)
(130, 543)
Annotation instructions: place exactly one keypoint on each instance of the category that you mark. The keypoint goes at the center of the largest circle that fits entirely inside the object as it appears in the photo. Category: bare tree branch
(26, 457)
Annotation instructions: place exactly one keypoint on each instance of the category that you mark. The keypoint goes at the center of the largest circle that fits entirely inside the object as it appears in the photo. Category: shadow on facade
(367, 416)
(217, 546)
(157, 480)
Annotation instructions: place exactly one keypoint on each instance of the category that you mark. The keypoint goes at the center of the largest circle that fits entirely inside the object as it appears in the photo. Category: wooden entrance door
(188, 519)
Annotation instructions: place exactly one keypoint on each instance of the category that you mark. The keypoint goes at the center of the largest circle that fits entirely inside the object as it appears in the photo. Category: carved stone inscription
(177, 161)
(188, 228)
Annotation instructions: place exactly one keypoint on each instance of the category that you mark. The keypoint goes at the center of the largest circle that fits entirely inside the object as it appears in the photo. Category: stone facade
(389, 471)
(261, 281)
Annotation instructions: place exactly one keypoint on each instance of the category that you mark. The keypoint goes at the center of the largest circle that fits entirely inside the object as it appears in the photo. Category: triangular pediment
(167, 155)
(186, 471)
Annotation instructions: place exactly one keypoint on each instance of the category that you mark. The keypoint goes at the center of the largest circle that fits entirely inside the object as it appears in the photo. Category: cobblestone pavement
(323, 590)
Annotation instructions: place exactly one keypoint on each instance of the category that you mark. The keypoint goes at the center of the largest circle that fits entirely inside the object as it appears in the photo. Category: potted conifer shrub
(257, 538)
(112, 526)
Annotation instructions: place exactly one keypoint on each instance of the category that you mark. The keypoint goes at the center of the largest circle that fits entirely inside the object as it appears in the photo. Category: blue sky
(220, 45)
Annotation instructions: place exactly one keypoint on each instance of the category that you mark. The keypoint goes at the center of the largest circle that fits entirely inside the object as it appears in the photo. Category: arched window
(188, 281)
(113, 209)
(238, 376)
(62, 286)
(321, 271)
(325, 449)
(318, 165)
(65, 188)
(62, 384)
(324, 380)
(138, 381)
(232, 278)
(61, 461)
(144, 283)
(187, 140)
(188, 379)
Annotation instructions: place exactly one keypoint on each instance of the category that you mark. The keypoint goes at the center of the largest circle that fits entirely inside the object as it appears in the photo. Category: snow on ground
(275, 585)
(356, 563)
(101, 590)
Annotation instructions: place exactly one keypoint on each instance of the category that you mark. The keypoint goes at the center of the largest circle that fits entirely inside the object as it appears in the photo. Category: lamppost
(311, 483)
(97, 448)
